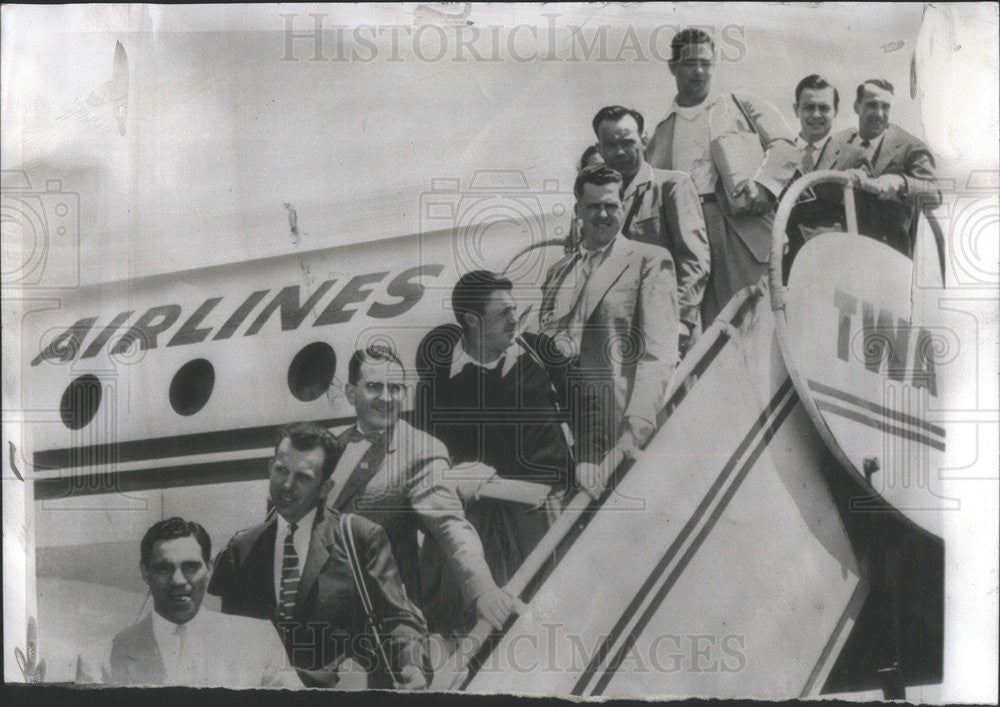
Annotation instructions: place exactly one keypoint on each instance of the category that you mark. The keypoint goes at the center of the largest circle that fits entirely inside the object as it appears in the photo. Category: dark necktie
(289, 577)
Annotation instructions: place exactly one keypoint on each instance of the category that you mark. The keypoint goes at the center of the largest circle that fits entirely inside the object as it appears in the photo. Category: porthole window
(312, 371)
(192, 386)
(80, 401)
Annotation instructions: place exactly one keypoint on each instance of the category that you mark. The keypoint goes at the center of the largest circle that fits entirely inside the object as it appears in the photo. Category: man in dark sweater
(511, 403)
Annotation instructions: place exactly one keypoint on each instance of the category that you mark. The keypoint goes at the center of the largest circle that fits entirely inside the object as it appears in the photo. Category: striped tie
(289, 577)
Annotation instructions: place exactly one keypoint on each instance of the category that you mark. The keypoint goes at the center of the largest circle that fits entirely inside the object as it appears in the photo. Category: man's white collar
(801, 144)
(460, 357)
(305, 521)
(162, 628)
(710, 100)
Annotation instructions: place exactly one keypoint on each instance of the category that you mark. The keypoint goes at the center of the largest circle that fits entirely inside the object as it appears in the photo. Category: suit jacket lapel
(146, 666)
(607, 275)
(828, 155)
(550, 299)
(367, 467)
(263, 557)
(315, 561)
(668, 135)
(886, 151)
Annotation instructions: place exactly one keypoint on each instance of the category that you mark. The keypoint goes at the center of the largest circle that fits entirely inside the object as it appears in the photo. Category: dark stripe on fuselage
(74, 481)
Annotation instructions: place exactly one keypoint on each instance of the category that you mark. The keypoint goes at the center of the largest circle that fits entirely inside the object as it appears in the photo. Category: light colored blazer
(411, 489)
(665, 211)
(631, 328)
(725, 117)
(241, 653)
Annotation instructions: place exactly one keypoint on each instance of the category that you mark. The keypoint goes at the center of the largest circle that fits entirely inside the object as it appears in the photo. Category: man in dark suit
(819, 209)
(612, 306)
(293, 570)
(178, 643)
(509, 403)
(661, 207)
(398, 476)
(893, 169)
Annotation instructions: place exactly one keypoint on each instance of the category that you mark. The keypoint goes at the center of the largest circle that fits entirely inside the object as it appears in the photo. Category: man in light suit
(293, 570)
(893, 169)
(739, 241)
(397, 476)
(612, 305)
(661, 207)
(177, 643)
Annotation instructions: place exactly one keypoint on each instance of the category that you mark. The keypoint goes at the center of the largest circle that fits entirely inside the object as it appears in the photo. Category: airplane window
(80, 401)
(192, 386)
(311, 371)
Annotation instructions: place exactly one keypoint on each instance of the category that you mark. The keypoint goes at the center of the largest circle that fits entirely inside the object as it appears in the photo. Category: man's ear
(471, 321)
(857, 108)
(795, 108)
(672, 65)
(145, 573)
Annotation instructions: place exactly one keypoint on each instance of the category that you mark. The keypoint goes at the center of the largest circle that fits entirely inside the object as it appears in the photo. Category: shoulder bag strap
(374, 625)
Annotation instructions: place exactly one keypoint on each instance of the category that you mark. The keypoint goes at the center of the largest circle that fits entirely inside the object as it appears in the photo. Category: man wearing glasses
(392, 473)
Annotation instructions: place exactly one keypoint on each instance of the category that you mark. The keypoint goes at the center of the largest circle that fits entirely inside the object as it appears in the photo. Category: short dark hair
(306, 436)
(472, 291)
(686, 38)
(881, 83)
(587, 154)
(815, 82)
(170, 529)
(600, 175)
(372, 352)
(614, 114)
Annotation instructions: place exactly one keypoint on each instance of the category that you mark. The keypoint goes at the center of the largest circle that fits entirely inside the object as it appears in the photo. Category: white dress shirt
(692, 136)
(303, 533)
(818, 148)
(873, 145)
(182, 649)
